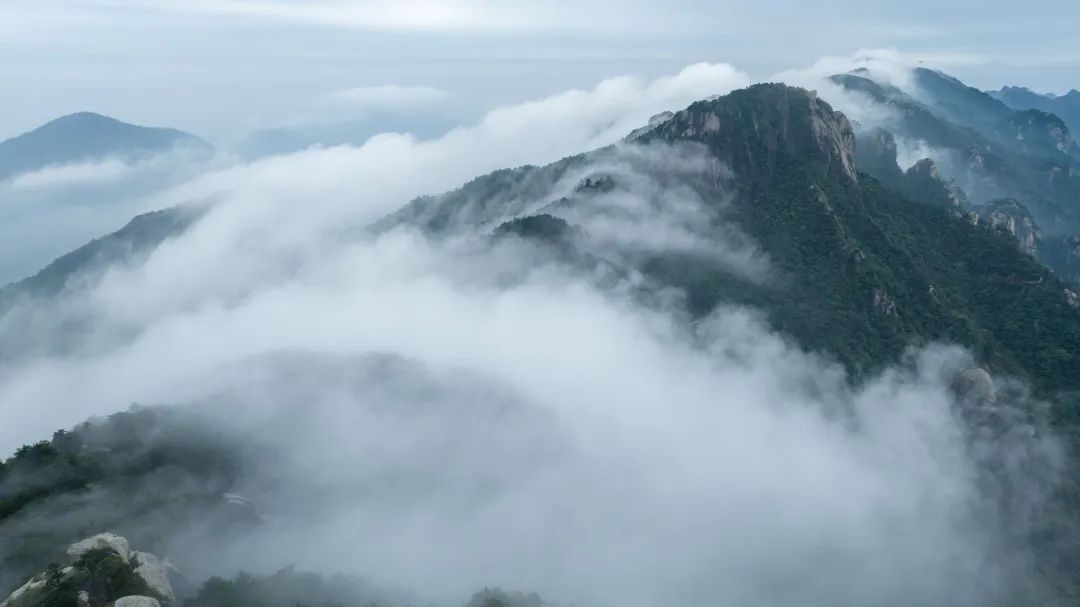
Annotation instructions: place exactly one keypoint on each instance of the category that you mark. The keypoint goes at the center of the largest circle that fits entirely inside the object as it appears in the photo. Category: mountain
(1066, 106)
(864, 270)
(910, 270)
(789, 220)
(87, 136)
(958, 102)
(993, 153)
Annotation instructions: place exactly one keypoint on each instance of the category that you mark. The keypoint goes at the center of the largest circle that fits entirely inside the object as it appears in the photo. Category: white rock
(21, 590)
(137, 601)
(154, 572)
(108, 541)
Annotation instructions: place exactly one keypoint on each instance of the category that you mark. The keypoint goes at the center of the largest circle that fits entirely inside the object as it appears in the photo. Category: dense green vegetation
(866, 272)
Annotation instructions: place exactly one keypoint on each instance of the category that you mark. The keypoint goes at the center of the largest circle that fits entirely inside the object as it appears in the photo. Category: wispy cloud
(387, 96)
(96, 171)
(360, 14)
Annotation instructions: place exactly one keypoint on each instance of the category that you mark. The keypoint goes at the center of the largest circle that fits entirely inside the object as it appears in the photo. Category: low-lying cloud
(51, 211)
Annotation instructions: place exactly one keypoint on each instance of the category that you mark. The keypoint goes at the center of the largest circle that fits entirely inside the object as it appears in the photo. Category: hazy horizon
(221, 69)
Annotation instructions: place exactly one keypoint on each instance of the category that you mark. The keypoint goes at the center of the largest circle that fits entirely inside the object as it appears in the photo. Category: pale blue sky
(222, 67)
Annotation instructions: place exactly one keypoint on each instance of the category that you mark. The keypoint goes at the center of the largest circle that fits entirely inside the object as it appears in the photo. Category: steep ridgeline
(87, 136)
(1029, 130)
(856, 269)
(1066, 106)
(1026, 156)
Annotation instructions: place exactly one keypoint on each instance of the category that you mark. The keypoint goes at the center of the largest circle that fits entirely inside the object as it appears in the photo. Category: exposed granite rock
(1011, 216)
(154, 572)
(750, 128)
(25, 591)
(137, 601)
(102, 567)
(876, 154)
(656, 119)
(100, 541)
(925, 182)
(883, 303)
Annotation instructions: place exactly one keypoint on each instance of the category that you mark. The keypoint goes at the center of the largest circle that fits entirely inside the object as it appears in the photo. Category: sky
(221, 68)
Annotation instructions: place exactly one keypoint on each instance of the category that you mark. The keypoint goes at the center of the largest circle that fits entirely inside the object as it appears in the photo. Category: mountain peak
(85, 136)
(752, 128)
(84, 116)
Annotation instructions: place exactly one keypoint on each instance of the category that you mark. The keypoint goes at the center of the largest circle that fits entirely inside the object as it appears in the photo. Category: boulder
(24, 590)
(107, 541)
(137, 601)
(154, 572)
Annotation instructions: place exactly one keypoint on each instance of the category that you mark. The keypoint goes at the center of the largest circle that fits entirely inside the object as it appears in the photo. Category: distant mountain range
(1066, 106)
(87, 136)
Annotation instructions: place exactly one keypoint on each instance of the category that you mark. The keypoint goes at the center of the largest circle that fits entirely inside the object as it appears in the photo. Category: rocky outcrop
(876, 154)
(1072, 298)
(1011, 216)
(102, 570)
(137, 601)
(924, 182)
(660, 118)
(884, 303)
(154, 572)
(25, 593)
(750, 129)
(101, 541)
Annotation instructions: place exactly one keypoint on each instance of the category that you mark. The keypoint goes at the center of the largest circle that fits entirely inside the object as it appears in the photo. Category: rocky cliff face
(748, 129)
(1011, 216)
(924, 182)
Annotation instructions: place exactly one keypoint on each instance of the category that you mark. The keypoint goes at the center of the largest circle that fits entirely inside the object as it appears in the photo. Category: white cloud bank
(91, 172)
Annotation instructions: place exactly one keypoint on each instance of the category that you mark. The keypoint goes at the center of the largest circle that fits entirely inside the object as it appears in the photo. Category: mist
(452, 413)
(58, 208)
